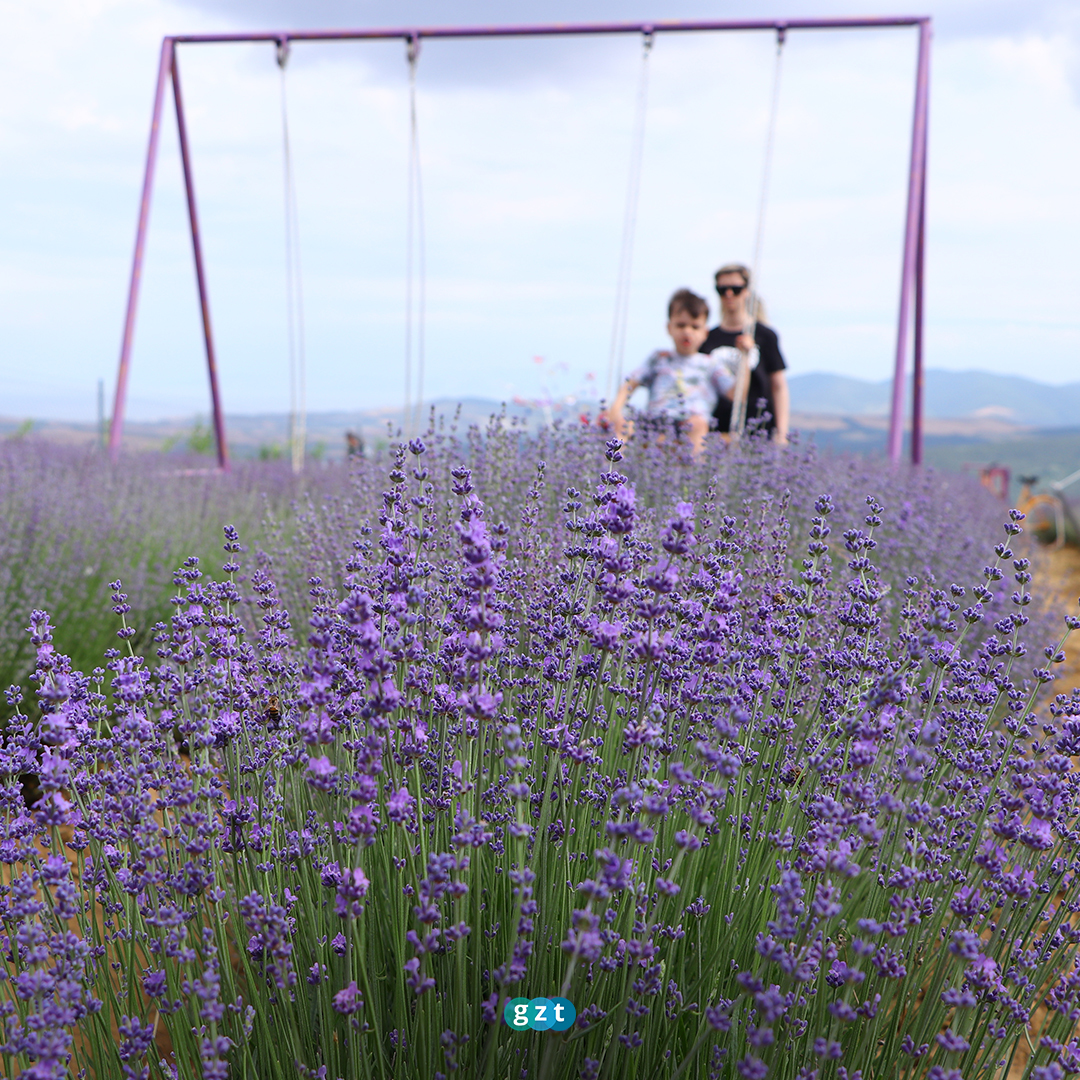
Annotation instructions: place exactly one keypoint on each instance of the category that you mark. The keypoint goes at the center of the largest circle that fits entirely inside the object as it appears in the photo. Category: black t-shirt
(760, 384)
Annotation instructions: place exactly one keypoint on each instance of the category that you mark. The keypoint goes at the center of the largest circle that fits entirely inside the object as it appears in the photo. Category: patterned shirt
(682, 385)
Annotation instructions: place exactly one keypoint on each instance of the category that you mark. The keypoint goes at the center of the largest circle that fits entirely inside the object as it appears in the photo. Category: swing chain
(742, 377)
(294, 289)
(622, 286)
(283, 48)
(414, 244)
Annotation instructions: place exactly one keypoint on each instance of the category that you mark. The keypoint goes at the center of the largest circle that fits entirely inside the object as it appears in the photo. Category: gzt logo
(539, 1014)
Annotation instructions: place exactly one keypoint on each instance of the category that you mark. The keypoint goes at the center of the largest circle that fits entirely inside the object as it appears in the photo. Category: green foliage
(201, 440)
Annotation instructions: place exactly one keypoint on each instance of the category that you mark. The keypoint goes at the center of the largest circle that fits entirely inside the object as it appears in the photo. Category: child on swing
(684, 385)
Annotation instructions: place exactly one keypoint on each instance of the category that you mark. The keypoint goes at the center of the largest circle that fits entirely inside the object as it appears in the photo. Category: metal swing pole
(200, 274)
(116, 424)
(917, 377)
(167, 67)
(912, 267)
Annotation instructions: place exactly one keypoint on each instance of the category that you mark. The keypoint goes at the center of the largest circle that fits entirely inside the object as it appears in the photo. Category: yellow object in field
(1049, 518)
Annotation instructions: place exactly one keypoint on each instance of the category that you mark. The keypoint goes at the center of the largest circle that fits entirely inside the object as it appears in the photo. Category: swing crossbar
(912, 273)
(661, 26)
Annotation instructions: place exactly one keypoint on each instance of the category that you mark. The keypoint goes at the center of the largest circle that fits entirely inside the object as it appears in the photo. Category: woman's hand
(744, 342)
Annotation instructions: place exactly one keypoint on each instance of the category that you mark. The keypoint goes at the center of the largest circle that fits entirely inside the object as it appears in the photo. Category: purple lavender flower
(320, 773)
(349, 1000)
(351, 891)
(269, 941)
(619, 513)
(535, 680)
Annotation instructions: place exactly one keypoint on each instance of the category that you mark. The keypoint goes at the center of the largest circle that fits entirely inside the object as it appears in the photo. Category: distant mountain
(951, 394)
(836, 410)
(267, 434)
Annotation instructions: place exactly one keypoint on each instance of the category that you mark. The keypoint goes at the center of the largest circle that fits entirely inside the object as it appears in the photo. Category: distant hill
(952, 394)
(267, 434)
(972, 417)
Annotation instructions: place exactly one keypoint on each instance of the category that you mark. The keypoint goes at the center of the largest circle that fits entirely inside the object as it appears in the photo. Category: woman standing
(768, 391)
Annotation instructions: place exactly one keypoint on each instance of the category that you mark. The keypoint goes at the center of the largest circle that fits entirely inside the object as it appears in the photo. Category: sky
(525, 149)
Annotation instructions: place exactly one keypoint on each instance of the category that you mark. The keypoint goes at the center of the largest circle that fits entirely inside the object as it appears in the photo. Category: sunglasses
(730, 290)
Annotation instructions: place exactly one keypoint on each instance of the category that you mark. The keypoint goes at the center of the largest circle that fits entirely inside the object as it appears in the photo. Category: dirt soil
(1057, 577)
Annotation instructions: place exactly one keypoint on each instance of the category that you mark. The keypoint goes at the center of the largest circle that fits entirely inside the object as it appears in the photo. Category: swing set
(911, 315)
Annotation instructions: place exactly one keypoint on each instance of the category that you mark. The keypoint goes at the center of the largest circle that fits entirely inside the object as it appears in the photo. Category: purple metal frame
(117, 422)
(912, 272)
(917, 381)
(167, 67)
(914, 232)
(204, 303)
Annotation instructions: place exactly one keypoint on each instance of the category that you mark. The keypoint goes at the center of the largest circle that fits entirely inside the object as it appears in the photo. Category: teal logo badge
(539, 1014)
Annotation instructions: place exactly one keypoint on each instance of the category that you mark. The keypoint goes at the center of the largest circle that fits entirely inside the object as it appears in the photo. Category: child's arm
(615, 413)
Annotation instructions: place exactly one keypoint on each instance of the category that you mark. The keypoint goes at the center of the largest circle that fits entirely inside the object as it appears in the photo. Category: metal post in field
(200, 273)
(116, 427)
(918, 376)
(911, 239)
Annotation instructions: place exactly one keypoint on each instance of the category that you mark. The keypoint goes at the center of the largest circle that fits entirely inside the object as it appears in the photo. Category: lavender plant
(737, 772)
(73, 521)
(936, 530)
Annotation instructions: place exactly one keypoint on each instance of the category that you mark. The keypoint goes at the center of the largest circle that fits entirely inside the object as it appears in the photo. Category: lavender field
(755, 760)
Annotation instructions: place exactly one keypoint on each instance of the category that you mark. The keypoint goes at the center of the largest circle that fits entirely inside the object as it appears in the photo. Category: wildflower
(135, 1039)
(952, 1042)
(351, 891)
(619, 513)
(349, 1000)
(320, 773)
(269, 939)
(752, 1068)
(415, 980)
